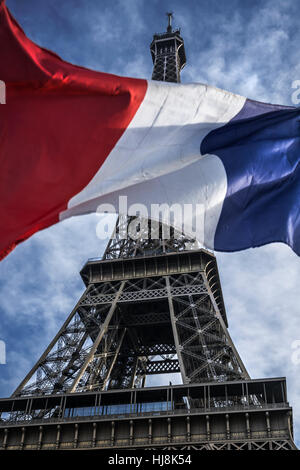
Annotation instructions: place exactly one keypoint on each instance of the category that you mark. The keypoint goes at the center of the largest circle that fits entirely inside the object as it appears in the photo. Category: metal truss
(166, 65)
(122, 331)
(204, 347)
(272, 444)
(153, 238)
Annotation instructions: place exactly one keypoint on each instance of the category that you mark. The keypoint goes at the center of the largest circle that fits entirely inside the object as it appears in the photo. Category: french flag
(72, 139)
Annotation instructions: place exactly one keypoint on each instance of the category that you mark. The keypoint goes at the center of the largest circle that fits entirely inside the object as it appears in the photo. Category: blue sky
(249, 47)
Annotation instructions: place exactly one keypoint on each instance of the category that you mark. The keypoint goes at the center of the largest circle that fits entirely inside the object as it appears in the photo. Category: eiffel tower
(151, 306)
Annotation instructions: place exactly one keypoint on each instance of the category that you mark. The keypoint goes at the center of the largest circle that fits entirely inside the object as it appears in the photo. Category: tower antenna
(170, 17)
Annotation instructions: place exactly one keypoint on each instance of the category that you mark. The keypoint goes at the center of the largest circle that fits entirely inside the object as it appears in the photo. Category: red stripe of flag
(58, 125)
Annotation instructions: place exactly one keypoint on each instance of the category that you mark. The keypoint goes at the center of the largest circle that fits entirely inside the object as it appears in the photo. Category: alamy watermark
(2, 352)
(2, 92)
(295, 357)
(153, 221)
(296, 94)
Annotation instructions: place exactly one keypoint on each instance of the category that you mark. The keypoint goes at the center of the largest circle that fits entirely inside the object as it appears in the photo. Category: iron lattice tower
(168, 54)
(151, 306)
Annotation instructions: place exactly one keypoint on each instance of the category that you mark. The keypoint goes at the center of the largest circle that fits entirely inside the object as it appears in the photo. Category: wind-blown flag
(72, 139)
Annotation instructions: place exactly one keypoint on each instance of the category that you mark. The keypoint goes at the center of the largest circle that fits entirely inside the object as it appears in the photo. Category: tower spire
(168, 54)
(170, 17)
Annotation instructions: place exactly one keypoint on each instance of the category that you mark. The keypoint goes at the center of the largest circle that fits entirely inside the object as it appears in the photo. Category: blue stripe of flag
(260, 150)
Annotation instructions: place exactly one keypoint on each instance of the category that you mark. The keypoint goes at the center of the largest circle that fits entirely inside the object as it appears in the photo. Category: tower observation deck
(151, 307)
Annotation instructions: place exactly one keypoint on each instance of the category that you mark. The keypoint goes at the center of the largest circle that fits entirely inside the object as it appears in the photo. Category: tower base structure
(239, 415)
(143, 316)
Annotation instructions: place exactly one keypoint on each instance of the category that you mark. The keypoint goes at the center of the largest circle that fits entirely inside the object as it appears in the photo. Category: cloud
(256, 56)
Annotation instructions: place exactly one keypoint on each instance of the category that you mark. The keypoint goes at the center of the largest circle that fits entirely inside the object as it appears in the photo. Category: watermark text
(2, 92)
(2, 352)
(296, 94)
(153, 221)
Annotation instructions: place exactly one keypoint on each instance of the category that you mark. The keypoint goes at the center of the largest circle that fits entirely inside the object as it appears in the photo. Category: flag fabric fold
(72, 139)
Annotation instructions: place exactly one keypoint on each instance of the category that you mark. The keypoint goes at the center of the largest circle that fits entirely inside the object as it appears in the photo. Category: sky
(249, 47)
